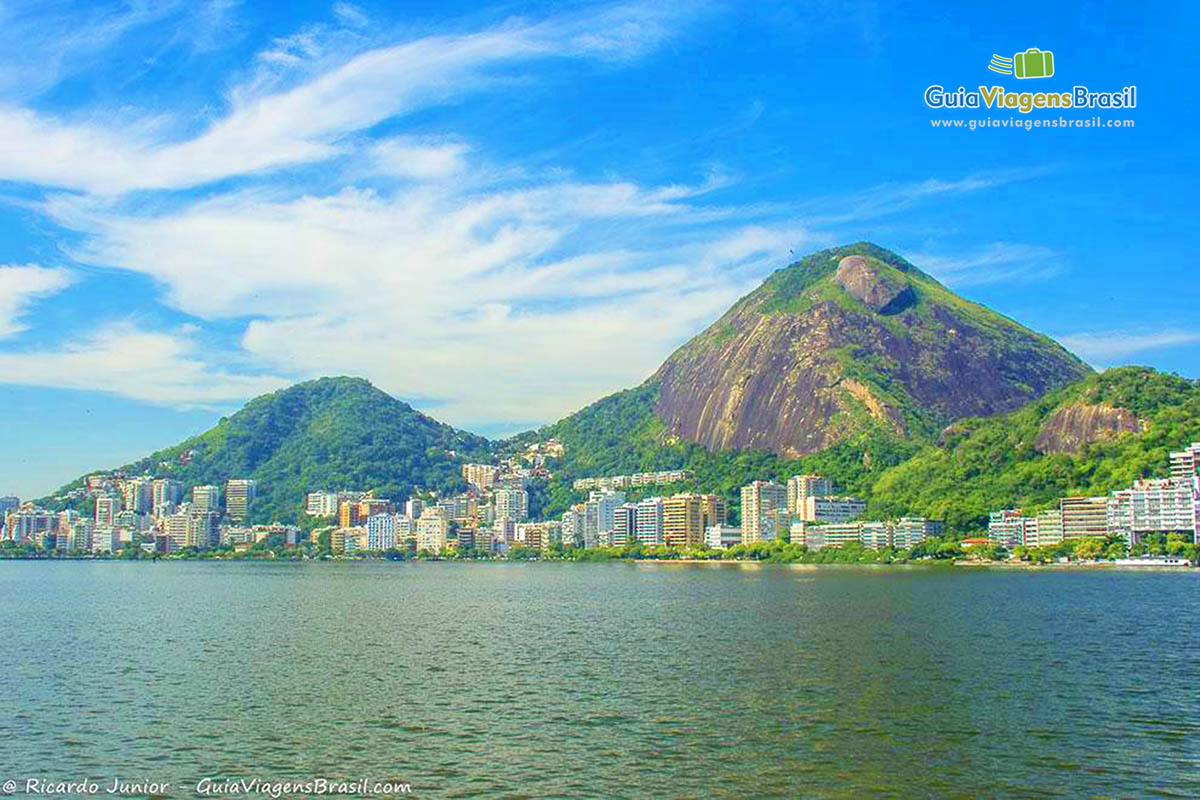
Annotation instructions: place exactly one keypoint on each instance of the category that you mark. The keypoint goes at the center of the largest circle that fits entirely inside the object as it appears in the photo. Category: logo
(1033, 63)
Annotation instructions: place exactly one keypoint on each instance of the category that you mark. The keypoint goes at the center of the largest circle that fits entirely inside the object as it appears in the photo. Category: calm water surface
(605, 680)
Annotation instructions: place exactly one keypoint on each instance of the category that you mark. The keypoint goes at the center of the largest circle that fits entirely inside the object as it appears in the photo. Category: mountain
(331, 433)
(850, 346)
(1092, 437)
(846, 340)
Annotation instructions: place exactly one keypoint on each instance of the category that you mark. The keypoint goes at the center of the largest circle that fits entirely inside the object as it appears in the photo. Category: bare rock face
(1071, 427)
(844, 341)
(873, 287)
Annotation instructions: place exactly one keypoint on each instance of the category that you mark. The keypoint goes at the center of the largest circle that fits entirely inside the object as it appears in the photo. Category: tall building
(414, 508)
(104, 540)
(481, 476)
(29, 524)
(826, 508)
(504, 531)
(9, 503)
(477, 537)
(572, 528)
(764, 507)
(353, 513)
(239, 496)
(107, 508)
(381, 531)
(599, 517)
(650, 522)
(206, 498)
(511, 504)
(539, 535)
(1155, 506)
(1084, 516)
(1047, 530)
(687, 516)
(802, 487)
(624, 525)
(1185, 464)
(433, 531)
(321, 504)
(1007, 528)
(721, 537)
(138, 495)
(203, 531)
(907, 532)
(165, 495)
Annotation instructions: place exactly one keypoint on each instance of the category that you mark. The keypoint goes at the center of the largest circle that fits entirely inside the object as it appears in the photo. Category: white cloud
(306, 122)
(432, 292)
(405, 157)
(20, 286)
(997, 262)
(1104, 347)
(890, 198)
(120, 358)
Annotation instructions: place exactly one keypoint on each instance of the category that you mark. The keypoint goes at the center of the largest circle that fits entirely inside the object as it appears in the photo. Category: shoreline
(923, 564)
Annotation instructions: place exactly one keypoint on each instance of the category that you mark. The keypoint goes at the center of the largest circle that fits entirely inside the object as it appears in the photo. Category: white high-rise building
(239, 496)
(107, 508)
(764, 511)
(599, 517)
(381, 531)
(165, 496)
(433, 530)
(1185, 463)
(802, 487)
(1156, 506)
(572, 528)
(104, 539)
(511, 504)
(825, 508)
(650, 522)
(624, 530)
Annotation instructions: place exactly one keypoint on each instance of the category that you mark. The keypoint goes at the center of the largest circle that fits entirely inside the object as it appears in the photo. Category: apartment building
(764, 511)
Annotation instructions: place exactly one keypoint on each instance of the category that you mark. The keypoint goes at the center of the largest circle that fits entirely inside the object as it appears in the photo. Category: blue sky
(501, 214)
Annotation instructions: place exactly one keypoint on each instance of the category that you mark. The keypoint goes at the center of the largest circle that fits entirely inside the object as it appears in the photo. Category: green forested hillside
(620, 434)
(332, 433)
(979, 465)
(985, 464)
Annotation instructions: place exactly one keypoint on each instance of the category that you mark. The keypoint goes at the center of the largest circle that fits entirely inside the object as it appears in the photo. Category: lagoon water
(605, 680)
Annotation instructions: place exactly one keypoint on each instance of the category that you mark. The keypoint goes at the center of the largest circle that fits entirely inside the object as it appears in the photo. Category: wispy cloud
(305, 123)
(1105, 347)
(997, 262)
(890, 198)
(20, 286)
(154, 366)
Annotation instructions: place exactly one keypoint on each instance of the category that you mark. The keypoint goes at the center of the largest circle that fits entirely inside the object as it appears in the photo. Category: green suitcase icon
(1033, 63)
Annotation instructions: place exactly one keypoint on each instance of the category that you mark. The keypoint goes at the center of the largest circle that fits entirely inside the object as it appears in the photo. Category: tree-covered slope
(332, 433)
(620, 434)
(1030, 458)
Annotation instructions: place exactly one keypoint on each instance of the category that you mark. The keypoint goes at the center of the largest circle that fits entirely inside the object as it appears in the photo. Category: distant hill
(332, 433)
(1094, 436)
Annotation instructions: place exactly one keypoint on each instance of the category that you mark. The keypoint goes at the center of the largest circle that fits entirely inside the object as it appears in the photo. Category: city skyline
(204, 202)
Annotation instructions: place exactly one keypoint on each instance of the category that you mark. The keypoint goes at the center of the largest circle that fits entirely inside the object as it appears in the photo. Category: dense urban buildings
(494, 514)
